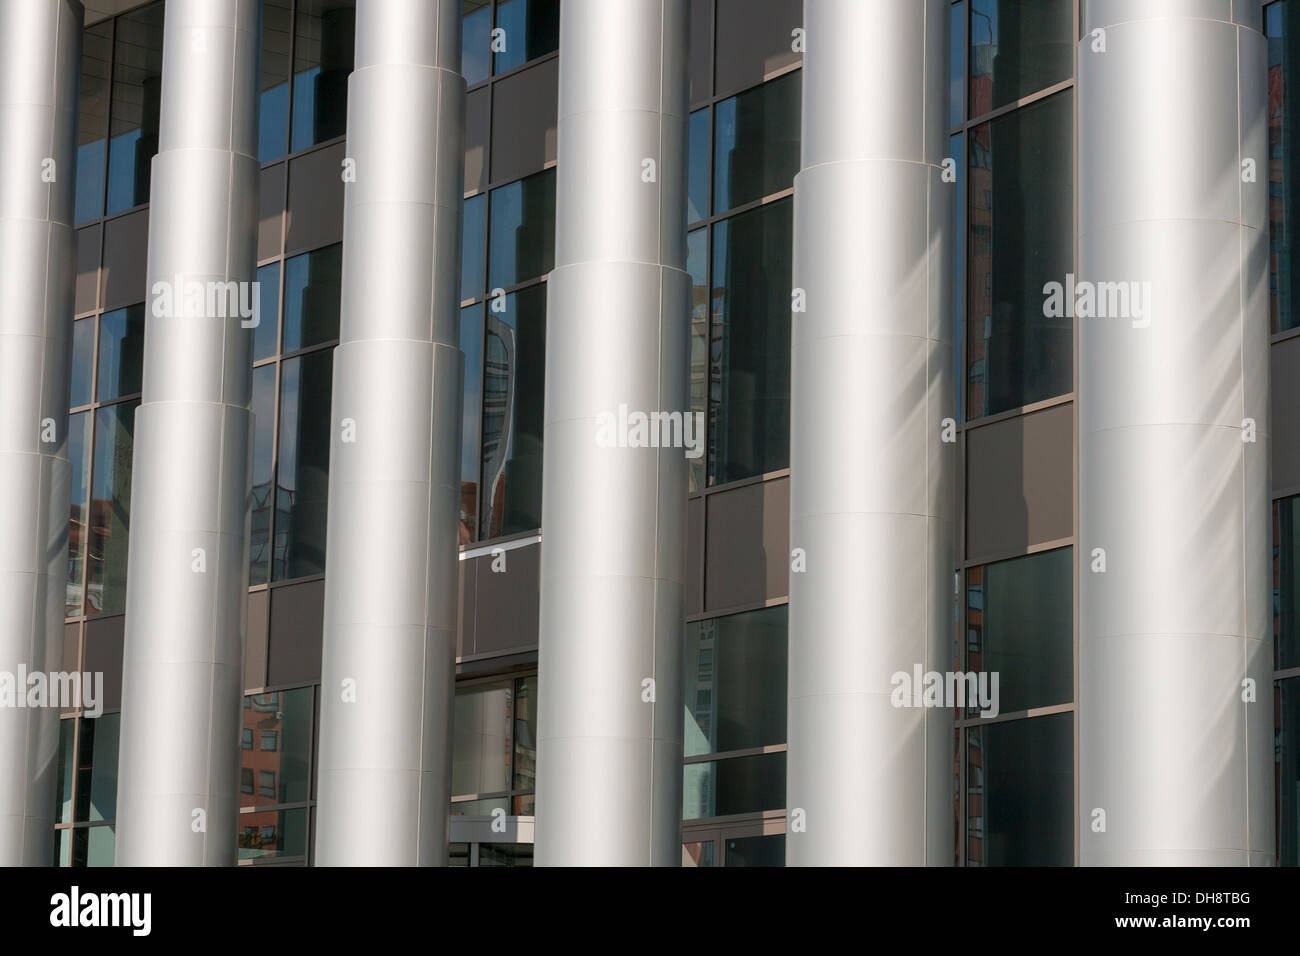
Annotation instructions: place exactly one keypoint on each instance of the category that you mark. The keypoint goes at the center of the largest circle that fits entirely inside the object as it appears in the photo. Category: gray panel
(466, 611)
(476, 139)
(270, 216)
(506, 601)
(523, 122)
(754, 40)
(1285, 385)
(701, 51)
(695, 556)
(737, 565)
(88, 240)
(1020, 483)
(126, 250)
(255, 641)
(315, 208)
(104, 639)
(294, 641)
(71, 655)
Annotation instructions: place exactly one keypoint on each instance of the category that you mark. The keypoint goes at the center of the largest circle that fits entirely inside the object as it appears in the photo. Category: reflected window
(526, 29)
(734, 682)
(302, 474)
(121, 353)
(262, 497)
(313, 290)
(471, 344)
(79, 426)
(324, 40)
(273, 114)
(281, 721)
(522, 243)
(272, 834)
(134, 113)
(110, 506)
(1018, 47)
(756, 143)
(92, 128)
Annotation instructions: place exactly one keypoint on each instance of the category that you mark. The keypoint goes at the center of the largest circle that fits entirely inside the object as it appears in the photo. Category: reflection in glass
(475, 37)
(93, 846)
(471, 254)
(522, 244)
(324, 39)
(272, 833)
(1020, 792)
(480, 808)
(92, 128)
(505, 854)
(97, 768)
(1018, 47)
(121, 353)
(531, 29)
(735, 785)
(261, 500)
(756, 851)
(957, 64)
(481, 748)
(273, 128)
(514, 367)
(313, 290)
(83, 358)
(78, 488)
(734, 682)
(956, 149)
(1021, 232)
(63, 788)
(698, 190)
(471, 344)
(110, 505)
(1286, 574)
(749, 345)
(697, 264)
(1283, 33)
(525, 708)
(756, 143)
(266, 335)
(134, 114)
(1020, 626)
(302, 475)
(284, 720)
(1288, 771)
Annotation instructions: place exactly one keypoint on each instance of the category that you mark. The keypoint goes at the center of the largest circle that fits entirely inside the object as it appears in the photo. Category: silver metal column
(187, 572)
(871, 495)
(1175, 766)
(388, 678)
(40, 62)
(609, 726)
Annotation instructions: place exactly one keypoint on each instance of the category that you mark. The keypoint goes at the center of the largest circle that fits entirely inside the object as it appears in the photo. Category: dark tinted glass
(736, 785)
(83, 357)
(1283, 29)
(756, 851)
(505, 854)
(92, 129)
(1020, 792)
(525, 711)
(261, 501)
(697, 264)
(324, 39)
(92, 846)
(1020, 626)
(273, 116)
(284, 768)
(1288, 771)
(749, 344)
(472, 241)
(522, 244)
(756, 143)
(514, 367)
(302, 475)
(266, 335)
(956, 149)
(1021, 229)
(97, 768)
(471, 344)
(1286, 597)
(733, 683)
(313, 287)
(474, 38)
(1018, 47)
(531, 28)
(137, 90)
(110, 505)
(698, 157)
(79, 457)
(957, 64)
(121, 353)
(67, 763)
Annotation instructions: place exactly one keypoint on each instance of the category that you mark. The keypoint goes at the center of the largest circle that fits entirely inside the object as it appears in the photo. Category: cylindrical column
(40, 61)
(187, 569)
(869, 772)
(609, 726)
(1175, 690)
(388, 676)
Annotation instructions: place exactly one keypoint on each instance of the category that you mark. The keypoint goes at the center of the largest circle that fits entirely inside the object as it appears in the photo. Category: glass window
(272, 833)
(261, 501)
(756, 143)
(734, 682)
(78, 488)
(1284, 199)
(121, 353)
(266, 335)
(63, 789)
(471, 344)
(750, 344)
(266, 783)
(697, 853)
(698, 178)
(525, 709)
(522, 243)
(1286, 597)
(514, 368)
(92, 129)
(313, 290)
(957, 64)
(324, 39)
(505, 854)
(302, 475)
(282, 723)
(93, 846)
(483, 725)
(110, 506)
(1018, 47)
(1288, 771)
(83, 358)
(134, 115)
(458, 854)
(756, 851)
(245, 780)
(269, 738)
(480, 808)
(1020, 792)
(475, 30)
(718, 788)
(957, 149)
(246, 738)
(273, 129)
(530, 28)
(472, 241)
(1020, 626)
(1020, 193)
(697, 264)
(97, 768)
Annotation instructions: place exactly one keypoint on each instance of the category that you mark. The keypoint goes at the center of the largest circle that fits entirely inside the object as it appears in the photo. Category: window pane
(1283, 32)
(1018, 47)
(471, 343)
(266, 335)
(734, 685)
(756, 143)
(737, 785)
(957, 64)
(110, 506)
(272, 833)
(458, 854)
(1288, 771)
(1020, 792)
(1021, 226)
(83, 358)
(514, 368)
(479, 808)
(525, 733)
(260, 501)
(956, 149)
(92, 129)
(313, 289)
(471, 252)
(481, 749)
(532, 29)
(324, 39)
(121, 353)
(303, 471)
(697, 264)
(97, 768)
(750, 344)
(505, 854)
(93, 846)
(273, 129)
(1287, 597)
(1020, 626)
(63, 790)
(281, 721)
(78, 488)
(137, 89)
(698, 179)
(522, 244)
(756, 851)
(474, 39)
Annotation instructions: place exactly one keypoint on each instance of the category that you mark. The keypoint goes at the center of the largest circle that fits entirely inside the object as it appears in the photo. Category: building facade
(1006, 124)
